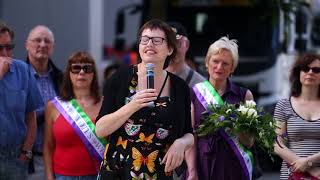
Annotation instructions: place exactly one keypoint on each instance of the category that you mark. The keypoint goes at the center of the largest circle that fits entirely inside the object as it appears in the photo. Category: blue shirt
(19, 95)
(46, 88)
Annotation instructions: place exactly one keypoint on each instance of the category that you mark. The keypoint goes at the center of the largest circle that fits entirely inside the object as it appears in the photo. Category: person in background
(178, 65)
(39, 46)
(107, 73)
(71, 149)
(149, 129)
(20, 98)
(298, 119)
(212, 157)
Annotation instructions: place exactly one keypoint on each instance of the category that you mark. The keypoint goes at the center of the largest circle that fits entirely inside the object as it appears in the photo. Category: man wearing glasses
(19, 98)
(39, 46)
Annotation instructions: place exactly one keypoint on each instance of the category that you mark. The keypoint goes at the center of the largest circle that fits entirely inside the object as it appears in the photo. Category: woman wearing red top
(66, 154)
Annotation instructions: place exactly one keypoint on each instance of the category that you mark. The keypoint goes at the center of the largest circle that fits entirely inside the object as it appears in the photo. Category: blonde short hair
(224, 43)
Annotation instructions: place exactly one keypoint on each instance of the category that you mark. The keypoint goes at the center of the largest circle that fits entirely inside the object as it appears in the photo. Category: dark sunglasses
(314, 69)
(7, 47)
(76, 68)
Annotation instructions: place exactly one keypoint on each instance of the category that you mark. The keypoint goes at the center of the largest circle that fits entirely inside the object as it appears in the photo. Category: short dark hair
(301, 63)
(5, 28)
(169, 33)
(66, 90)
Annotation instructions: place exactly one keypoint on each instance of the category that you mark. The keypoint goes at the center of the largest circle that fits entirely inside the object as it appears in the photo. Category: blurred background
(271, 34)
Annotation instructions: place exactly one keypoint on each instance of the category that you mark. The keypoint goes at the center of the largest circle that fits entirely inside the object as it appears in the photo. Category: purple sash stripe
(201, 98)
(236, 151)
(89, 147)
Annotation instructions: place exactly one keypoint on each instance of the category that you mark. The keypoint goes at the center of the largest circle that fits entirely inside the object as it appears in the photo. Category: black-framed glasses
(76, 68)
(314, 69)
(144, 40)
(7, 47)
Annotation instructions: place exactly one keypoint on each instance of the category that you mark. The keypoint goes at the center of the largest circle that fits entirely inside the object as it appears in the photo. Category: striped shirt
(303, 135)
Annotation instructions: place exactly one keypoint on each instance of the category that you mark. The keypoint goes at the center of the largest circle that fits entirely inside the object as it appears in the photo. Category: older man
(19, 100)
(179, 66)
(39, 45)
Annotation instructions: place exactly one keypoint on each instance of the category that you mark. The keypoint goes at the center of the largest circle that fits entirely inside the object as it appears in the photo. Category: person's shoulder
(177, 81)
(284, 102)
(20, 63)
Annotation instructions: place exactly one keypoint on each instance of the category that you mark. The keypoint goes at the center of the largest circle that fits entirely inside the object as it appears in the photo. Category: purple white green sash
(207, 95)
(82, 125)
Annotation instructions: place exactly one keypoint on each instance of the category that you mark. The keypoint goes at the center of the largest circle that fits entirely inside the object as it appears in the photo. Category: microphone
(150, 75)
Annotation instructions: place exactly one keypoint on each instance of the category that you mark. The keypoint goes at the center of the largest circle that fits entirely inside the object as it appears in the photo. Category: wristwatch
(28, 153)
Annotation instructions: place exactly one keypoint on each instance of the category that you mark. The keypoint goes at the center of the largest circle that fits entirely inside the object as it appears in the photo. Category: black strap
(189, 77)
(164, 83)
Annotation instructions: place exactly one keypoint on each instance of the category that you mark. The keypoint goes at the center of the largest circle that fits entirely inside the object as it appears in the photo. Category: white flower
(243, 109)
(228, 111)
(252, 112)
(250, 104)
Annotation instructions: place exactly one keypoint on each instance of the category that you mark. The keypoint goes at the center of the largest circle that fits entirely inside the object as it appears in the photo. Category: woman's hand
(143, 98)
(174, 156)
(246, 139)
(192, 176)
(300, 165)
(314, 171)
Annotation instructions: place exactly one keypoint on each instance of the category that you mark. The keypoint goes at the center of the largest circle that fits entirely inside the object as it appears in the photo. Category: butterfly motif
(135, 176)
(161, 104)
(143, 138)
(162, 133)
(140, 160)
(131, 129)
(105, 151)
(122, 142)
(154, 177)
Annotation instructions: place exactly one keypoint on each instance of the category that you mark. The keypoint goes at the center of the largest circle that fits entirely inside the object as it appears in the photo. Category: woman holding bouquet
(299, 120)
(216, 157)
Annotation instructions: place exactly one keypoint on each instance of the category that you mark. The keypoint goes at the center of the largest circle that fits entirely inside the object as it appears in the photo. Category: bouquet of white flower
(241, 120)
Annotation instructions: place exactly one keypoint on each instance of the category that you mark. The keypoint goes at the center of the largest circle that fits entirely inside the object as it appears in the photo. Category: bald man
(39, 46)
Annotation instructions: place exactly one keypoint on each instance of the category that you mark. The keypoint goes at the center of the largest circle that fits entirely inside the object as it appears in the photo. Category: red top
(70, 156)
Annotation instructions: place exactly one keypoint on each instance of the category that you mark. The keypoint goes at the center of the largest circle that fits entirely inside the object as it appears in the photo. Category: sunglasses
(7, 47)
(76, 68)
(314, 69)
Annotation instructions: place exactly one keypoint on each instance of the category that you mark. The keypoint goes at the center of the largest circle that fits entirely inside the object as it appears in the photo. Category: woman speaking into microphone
(148, 129)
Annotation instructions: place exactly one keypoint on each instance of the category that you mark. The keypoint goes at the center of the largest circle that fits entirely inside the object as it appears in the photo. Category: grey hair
(42, 27)
(224, 43)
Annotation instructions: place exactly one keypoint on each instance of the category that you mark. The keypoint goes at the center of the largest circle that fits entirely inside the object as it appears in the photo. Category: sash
(207, 95)
(82, 125)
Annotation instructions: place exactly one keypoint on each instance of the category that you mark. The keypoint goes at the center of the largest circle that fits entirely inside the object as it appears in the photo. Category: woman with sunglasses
(298, 119)
(148, 129)
(71, 148)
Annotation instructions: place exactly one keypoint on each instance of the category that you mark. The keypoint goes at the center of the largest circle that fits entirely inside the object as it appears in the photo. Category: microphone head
(149, 66)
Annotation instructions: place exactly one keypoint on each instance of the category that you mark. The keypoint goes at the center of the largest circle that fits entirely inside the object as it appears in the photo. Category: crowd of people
(57, 125)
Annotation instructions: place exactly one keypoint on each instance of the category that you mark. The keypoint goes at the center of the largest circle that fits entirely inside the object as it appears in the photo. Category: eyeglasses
(76, 68)
(39, 40)
(314, 69)
(7, 47)
(144, 40)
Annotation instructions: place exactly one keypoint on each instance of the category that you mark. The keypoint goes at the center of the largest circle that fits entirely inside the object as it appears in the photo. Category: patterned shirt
(46, 88)
(303, 135)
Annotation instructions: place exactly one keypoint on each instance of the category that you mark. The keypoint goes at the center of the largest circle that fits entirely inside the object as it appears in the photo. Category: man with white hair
(39, 46)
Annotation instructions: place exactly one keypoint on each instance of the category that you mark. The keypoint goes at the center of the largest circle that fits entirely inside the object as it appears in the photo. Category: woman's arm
(175, 154)
(49, 143)
(191, 153)
(109, 123)
(283, 151)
